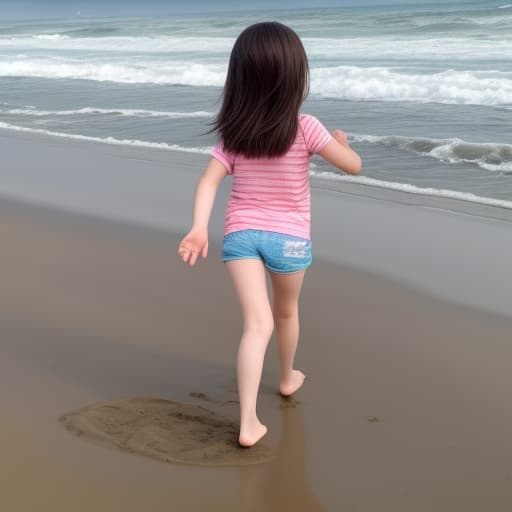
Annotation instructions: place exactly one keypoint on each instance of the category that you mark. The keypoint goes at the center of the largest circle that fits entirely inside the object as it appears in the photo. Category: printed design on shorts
(295, 248)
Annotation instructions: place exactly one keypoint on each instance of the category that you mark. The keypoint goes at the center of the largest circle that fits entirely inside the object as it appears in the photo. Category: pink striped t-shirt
(273, 193)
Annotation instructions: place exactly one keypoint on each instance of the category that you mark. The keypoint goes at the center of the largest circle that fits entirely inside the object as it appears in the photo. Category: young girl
(265, 145)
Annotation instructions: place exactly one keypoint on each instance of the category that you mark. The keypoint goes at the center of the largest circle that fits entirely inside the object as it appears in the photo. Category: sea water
(424, 92)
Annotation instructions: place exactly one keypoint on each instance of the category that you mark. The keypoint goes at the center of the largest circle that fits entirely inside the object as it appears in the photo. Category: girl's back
(273, 193)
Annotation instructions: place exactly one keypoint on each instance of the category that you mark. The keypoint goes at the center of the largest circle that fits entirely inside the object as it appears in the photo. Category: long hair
(266, 83)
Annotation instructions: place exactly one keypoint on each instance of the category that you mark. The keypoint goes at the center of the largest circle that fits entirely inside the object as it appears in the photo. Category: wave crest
(116, 111)
(491, 156)
(431, 48)
(342, 82)
(377, 83)
(148, 72)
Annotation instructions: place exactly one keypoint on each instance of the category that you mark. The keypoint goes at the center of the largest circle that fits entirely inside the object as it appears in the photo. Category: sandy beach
(405, 341)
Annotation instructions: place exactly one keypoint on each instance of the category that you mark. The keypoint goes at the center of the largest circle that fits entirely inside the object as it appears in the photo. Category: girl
(265, 145)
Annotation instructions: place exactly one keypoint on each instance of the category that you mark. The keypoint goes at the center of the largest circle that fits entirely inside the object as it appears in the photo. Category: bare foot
(251, 437)
(292, 383)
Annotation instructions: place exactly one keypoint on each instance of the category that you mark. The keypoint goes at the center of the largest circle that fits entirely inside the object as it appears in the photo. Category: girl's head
(266, 83)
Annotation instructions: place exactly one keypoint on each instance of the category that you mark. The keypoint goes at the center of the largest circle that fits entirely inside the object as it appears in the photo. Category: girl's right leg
(285, 308)
(249, 279)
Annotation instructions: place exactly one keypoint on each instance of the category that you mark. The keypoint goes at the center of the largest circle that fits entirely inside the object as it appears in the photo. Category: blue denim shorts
(279, 252)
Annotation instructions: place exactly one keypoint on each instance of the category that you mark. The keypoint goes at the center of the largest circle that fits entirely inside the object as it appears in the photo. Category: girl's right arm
(338, 153)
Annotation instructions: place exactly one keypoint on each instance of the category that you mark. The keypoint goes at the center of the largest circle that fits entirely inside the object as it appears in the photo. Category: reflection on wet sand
(282, 484)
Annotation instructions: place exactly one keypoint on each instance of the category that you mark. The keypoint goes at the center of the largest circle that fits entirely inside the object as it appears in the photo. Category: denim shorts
(279, 252)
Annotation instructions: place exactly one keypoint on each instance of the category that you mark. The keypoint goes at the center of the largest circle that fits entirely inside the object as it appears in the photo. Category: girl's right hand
(195, 242)
(338, 153)
(341, 137)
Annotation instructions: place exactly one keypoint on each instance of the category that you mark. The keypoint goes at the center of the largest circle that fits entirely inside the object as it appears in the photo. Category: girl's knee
(263, 327)
(286, 312)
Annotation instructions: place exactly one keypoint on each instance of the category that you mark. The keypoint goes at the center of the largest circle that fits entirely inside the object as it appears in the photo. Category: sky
(37, 9)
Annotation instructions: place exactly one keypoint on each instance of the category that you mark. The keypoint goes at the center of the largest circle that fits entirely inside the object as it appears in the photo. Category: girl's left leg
(249, 278)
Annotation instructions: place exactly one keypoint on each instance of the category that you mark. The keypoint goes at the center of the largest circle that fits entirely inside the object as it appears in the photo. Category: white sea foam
(49, 37)
(412, 189)
(377, 83)
(403, 187)
(491, 156)
(343, 82)
(148, 72)
(432, 48)
(118, 111)
(108, 140)
(507, 6)
(138, 44)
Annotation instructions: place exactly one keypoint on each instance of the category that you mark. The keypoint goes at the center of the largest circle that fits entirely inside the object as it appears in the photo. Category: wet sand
(166, 430)
(406, 405)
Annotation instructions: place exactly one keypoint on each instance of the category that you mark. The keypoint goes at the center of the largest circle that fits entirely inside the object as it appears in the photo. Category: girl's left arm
(196, 241)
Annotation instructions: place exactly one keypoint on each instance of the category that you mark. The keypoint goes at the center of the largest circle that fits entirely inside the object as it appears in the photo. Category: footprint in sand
(166, 430)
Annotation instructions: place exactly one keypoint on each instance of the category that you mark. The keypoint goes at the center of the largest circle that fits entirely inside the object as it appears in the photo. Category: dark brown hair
(266, 83)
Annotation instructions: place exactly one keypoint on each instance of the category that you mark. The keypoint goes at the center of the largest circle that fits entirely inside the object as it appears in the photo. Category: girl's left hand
(195, 242)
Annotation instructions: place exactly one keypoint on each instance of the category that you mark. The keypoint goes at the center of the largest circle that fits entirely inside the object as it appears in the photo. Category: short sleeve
(223, 157)
(315, 133)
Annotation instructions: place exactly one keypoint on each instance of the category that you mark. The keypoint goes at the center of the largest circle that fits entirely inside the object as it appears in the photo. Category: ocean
(424, 93)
